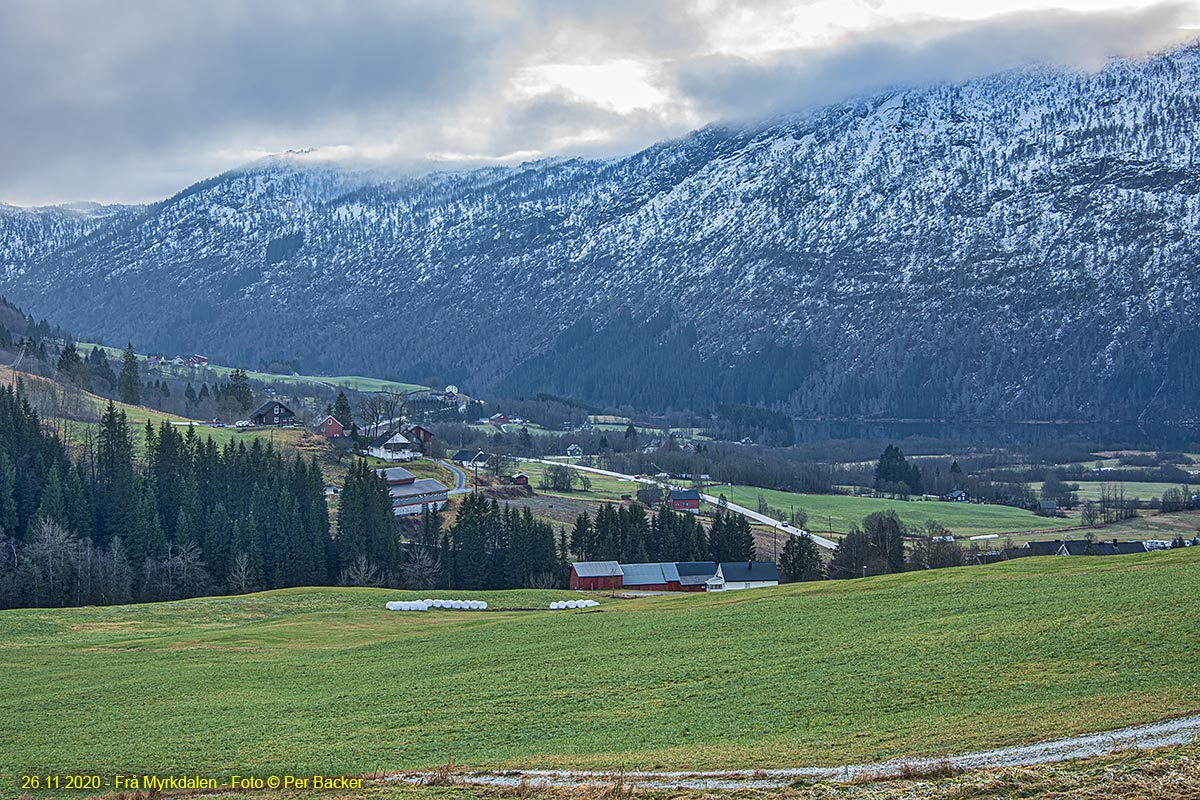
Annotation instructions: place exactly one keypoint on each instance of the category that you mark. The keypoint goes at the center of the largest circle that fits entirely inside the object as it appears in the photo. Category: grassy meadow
(327, 681)
(963, 519)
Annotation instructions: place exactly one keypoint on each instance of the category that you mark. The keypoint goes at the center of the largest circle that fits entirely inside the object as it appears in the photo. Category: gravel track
(1162, 734)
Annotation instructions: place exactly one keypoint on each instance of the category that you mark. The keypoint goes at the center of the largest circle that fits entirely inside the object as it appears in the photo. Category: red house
(330, 427)
(684, 500)
(593, 575)
(417, 433)
(520, 479)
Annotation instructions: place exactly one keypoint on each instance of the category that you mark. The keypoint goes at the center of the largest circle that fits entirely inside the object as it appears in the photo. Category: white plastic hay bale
(392, 605)
(590, 603)
(456, 604)
(427, 602)
(470, 605)
(572, 604)
(477, 605)
(555, 606)
(483, 605)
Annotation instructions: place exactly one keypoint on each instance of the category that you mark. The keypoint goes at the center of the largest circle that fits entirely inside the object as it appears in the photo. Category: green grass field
(963, 519)
(357, 383)
(325, 680)
(602, 487)
(1141, 490)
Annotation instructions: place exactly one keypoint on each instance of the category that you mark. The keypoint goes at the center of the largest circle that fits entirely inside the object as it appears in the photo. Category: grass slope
(325, 680)
(963, 519)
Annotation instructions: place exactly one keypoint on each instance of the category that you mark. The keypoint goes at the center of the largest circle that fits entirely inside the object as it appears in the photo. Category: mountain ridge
(1018, 246)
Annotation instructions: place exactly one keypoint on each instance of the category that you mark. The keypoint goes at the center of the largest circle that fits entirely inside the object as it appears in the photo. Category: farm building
(734, 575)
(520, 479)
(651, 498)
(273, 413)
(693, 575)
(574, 450)
(958, 496)
(471, 459)
(594, 575)
(658, 577)
(1079, 547)
(684, 500)
(412, 496)
(418, 435)
(330, 428)
(393, 446)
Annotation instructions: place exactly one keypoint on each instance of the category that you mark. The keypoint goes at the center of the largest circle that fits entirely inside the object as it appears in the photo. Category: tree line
(185, 519)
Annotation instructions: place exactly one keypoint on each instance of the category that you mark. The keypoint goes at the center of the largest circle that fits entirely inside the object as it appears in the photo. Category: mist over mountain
(1023, 246)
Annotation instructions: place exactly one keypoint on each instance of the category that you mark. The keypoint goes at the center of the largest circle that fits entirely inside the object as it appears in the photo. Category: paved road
(460, 476)
(770, 522)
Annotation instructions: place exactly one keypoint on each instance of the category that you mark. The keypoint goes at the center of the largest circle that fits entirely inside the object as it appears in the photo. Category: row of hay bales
(559, 605)
(425, 605)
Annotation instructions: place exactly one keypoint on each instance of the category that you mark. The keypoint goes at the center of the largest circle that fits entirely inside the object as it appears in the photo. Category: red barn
(593, 575)
(520, 479)
(330, 427)
(658, 577)
(684, 500)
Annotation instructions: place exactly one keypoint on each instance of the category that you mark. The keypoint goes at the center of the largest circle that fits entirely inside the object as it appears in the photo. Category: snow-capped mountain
(1024, 245)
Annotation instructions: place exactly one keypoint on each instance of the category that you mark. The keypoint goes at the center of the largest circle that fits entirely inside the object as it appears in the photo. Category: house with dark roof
(574, 450)
(393, 446)
(684, 500)
(411, 495)
(596, 575)
(735, 575)
(958, 496)
(273, 412)
(1079, 547)
(694, 575)
(471, 459)
(1113, 548)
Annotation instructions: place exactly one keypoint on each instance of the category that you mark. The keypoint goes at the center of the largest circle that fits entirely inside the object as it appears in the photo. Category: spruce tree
(801, 560)
(129, 383)
(341, 410)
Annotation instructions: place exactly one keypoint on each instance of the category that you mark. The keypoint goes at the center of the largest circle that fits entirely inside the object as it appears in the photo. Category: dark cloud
(131, 101)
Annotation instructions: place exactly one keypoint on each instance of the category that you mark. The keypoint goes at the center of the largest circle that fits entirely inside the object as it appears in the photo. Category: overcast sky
(130, 101)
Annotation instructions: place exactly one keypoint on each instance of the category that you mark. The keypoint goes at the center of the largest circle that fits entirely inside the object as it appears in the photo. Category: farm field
(325, 681)
(602, 488)
(1141, 490)
(963, 519)
(74, 431)
(356, 383)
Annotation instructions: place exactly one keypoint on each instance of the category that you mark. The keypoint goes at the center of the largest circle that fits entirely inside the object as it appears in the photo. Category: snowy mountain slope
(1020, 246)
(28, 234)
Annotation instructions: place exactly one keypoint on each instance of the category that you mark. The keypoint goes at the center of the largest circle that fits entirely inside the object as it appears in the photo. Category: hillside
(325, 680)
(1020, 246)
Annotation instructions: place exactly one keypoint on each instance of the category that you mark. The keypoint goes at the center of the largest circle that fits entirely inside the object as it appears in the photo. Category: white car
(243, 423)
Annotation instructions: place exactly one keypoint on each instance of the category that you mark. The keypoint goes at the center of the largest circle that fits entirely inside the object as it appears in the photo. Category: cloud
(132, 101)
(922, 53)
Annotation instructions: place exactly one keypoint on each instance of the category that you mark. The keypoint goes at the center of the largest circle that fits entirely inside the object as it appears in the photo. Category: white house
(733, 575)
(393, 446)
(469, 459)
